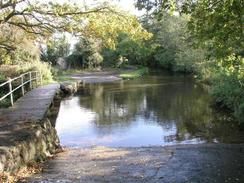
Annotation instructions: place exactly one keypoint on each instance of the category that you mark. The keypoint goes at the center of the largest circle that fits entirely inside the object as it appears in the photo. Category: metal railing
(32, 76)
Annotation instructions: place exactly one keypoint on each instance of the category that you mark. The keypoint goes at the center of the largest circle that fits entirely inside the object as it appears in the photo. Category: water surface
(154, 110)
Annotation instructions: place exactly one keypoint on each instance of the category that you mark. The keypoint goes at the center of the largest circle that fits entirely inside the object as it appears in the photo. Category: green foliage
(188, 59)
(42, 67)
(37, 21)
(127, 51)
(227, 81)
(218, 25)
(75, 60)
(56, 48)
(12, 71)
(87, 53)
(228, 92)
(108, 26)
(173, 47)
(18, 47)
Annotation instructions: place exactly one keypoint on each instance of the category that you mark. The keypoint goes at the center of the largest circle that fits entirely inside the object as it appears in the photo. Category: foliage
(134, 73)
(41, 67)
(15, 70)
(56, 47)
(2, 77)
(228, 91)
(108, 26)
(18, 47)
(173, 47)
(44, 18)
(86, 53)
(39, 20)
(127, 51)
(228, 86)
(217, 25)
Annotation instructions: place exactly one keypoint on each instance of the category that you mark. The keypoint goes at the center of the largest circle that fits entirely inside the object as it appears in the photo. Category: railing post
(30, 80)
(22, 83)
(11, 94)
(36, 79)
(40, 78)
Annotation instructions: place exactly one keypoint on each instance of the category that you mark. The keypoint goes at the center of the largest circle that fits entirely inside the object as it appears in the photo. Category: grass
(62, 77)
(134, 73)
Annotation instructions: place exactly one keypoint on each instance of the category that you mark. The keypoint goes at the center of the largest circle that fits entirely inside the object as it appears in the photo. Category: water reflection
(155, 110)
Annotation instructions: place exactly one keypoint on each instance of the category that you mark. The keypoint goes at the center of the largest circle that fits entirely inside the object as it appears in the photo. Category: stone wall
(38, 141)
(33, 141)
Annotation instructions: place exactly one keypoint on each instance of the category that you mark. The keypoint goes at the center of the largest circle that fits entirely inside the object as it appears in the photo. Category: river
(158, 109)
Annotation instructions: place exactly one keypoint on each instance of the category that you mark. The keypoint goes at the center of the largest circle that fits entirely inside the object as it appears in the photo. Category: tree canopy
(36, 21)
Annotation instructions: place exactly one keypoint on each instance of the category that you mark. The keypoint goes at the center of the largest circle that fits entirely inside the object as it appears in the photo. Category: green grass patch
(62, 78)
(134, 73)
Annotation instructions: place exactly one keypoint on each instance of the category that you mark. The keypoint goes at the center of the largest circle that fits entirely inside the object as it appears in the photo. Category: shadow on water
(154, 110)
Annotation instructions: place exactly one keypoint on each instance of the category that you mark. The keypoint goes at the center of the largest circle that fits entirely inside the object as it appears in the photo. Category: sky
(128, 5)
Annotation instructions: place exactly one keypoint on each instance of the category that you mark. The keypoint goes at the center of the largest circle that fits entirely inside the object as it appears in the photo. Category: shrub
(228, 90)
(12, 71)
(42, 67)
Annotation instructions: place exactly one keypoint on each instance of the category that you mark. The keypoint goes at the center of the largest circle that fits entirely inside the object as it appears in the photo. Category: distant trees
(86, 54)
(173, 46)
(127, 52)
(56, 47)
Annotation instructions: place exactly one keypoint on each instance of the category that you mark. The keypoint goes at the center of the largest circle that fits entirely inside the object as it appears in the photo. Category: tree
(216, 24)
(34, 21)
(16, 47)
(38, 21)
(127, 51)
(172, 44)
(45, 18)
(56, 47)
(86, 53)
(109, 25)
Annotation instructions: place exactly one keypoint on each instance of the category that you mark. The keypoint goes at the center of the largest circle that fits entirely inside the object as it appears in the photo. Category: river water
(154, 110)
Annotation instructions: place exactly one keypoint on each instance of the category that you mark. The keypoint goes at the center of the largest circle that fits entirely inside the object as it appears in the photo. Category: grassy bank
(140, 71)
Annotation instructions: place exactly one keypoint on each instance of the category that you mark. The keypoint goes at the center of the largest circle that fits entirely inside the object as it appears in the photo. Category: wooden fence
(32, 76)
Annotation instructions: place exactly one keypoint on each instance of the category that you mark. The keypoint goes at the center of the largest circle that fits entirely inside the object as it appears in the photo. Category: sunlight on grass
(135, 73)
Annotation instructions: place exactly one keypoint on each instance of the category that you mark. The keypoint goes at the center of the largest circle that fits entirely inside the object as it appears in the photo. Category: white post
(30, 81)
(22, 83)
(11, 94)
(40, 78)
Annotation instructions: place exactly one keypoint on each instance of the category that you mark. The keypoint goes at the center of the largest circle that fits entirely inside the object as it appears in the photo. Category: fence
(32, 76)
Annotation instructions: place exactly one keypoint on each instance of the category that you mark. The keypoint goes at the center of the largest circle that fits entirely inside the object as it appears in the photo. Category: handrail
(37, 77)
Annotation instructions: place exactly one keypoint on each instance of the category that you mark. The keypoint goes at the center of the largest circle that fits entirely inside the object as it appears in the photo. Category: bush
(42, 67)
(2, 78)
(12, 71)
(228, 90)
